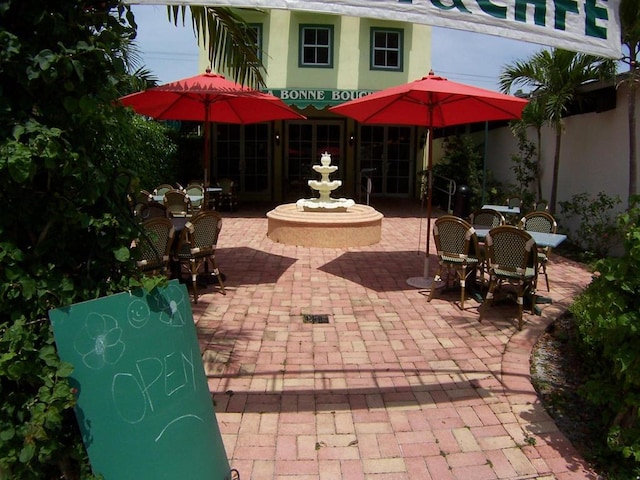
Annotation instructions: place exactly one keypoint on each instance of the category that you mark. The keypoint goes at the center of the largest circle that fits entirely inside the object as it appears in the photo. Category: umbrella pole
(426, 281)
(206, 153)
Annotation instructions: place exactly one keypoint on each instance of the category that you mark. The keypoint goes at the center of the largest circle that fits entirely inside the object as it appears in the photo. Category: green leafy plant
(525, 166)
(463, 162)
(597, 232)
(65, 225)
(608, 317)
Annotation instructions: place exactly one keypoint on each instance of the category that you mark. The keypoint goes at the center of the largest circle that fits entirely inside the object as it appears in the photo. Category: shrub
(608, 319)
(463, 162)
(65, 227)
(597, 232)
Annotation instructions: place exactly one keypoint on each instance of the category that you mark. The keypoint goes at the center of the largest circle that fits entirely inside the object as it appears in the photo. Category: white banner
(588, 26)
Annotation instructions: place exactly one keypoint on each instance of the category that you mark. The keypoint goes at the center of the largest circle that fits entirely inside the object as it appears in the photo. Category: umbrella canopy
(432, 102)
(209, 98)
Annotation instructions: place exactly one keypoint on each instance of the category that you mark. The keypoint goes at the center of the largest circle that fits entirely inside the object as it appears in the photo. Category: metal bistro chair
(153, 210)
(457, 246)
(540, 222)
(513, 202)
(485, 218)
(541, 206)
(511, 259)
(139, 201)
(163, 188)
(227, 197)
(177, 203)
(196, 196)
(154, 245)
(196, 247)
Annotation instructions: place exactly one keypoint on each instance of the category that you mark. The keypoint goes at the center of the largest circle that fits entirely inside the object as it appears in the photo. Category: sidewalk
(392, 387)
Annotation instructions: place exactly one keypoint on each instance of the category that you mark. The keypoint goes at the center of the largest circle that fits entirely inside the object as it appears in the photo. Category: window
(255, 33)
(254, 37)
(386, 49)
(316, 46)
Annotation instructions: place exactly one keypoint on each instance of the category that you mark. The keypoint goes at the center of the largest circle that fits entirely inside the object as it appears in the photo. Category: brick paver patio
(393, 387)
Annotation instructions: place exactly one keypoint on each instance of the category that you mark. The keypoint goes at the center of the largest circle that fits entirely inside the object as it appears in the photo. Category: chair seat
(468, 260)
(530, 273)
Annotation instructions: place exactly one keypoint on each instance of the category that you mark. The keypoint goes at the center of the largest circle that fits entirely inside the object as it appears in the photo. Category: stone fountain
(325, 221)
(324, 186)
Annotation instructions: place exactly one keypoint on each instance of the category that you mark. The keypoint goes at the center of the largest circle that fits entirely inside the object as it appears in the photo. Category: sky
(170, 52)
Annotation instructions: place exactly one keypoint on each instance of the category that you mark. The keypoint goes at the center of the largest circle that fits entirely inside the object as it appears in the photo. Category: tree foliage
(229, 45)
(463, 162)
(65, 226)
(554, 77)
(69, 157)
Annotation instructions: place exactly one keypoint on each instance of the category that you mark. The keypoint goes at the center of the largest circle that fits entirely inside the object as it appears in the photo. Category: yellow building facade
(315, 61)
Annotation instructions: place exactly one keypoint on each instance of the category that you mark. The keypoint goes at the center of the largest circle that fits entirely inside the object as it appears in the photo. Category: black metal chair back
(197, 248)
(457, 246)
(544, 222)
(511, 258)
(177, 202)
(154, 245)
(487, 218)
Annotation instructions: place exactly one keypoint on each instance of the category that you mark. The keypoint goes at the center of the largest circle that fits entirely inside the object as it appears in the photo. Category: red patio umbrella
(431, 102)
(207, 98)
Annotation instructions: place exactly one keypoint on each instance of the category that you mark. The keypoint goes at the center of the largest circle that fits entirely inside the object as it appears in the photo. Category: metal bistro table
(542, 239)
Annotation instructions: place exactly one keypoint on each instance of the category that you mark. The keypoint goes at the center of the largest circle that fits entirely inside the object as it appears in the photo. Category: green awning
(318, 98)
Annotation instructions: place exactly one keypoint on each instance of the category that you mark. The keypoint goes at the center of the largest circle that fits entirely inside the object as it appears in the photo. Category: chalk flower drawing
(170, 306)
(99, 341)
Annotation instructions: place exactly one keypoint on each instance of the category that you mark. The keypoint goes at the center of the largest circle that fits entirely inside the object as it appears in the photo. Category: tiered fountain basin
(358, 225)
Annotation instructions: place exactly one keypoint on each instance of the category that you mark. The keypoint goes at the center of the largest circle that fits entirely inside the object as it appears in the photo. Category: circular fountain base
(360, 225)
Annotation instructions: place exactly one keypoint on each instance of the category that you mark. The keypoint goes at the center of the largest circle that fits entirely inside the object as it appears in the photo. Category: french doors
(306, 142)
(389, 150)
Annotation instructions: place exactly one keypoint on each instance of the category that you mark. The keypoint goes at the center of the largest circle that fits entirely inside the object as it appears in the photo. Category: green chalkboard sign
(144, 407)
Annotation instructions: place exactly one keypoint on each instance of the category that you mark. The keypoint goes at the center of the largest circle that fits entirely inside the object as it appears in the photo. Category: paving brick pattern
(393, 387)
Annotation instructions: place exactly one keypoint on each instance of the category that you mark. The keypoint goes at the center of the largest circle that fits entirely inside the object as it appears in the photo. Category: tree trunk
(539, 166)
(556, 167)
(633, 161)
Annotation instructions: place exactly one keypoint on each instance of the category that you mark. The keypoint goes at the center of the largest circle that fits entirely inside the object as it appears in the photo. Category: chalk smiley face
(138, 313)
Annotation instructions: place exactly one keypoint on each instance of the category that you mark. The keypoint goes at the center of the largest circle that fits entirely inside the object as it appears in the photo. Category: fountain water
(325, 221)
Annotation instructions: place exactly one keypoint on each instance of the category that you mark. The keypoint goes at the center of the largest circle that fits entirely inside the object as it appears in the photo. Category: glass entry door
(306, 142)
(390, 151)
(241, 153)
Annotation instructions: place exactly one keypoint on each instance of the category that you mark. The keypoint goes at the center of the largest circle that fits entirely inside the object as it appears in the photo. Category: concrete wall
(594, 155)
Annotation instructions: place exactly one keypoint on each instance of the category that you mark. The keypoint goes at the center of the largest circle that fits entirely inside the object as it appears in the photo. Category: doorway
(242, 153)
(305, 143)
(390, 152)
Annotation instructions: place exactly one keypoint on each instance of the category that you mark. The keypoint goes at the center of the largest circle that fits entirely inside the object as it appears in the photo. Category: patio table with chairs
(541, 239)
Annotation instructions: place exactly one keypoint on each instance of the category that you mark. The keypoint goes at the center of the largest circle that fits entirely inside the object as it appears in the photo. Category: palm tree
(555, 76)
(230, 43)
(630, 25)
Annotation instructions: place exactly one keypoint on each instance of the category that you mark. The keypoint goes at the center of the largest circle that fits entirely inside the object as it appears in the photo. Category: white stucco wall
(594, 155)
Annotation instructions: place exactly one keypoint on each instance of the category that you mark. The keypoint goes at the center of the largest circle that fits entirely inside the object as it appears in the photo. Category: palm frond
(226, 35)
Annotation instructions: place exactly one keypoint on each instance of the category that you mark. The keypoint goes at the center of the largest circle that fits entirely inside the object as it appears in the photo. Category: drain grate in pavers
(306, 318)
